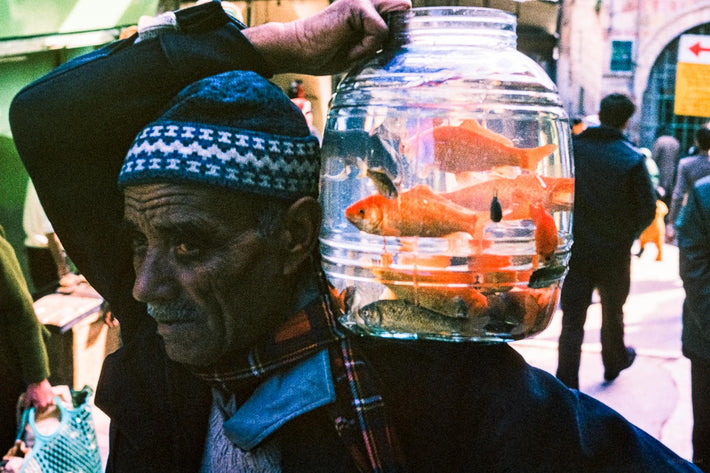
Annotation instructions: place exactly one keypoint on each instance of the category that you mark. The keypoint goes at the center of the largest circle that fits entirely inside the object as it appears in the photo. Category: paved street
(654, 393)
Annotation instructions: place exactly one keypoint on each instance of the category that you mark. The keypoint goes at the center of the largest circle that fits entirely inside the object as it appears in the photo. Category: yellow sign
(692, 87)
(692, 90)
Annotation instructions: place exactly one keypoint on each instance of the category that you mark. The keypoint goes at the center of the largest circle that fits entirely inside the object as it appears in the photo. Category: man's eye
(186, 250)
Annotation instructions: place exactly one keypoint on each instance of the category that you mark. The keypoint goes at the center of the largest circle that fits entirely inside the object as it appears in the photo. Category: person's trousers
(612, 279)
(700, 387)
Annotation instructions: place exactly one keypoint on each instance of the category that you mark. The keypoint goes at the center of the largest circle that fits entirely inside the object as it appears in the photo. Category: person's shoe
(612, 374)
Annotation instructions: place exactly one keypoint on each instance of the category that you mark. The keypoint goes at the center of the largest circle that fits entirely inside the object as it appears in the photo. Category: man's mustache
(173, 312)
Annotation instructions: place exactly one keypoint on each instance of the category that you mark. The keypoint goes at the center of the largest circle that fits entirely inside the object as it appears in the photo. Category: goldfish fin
(540, 181)
(504, 172)
(361, 167)
(532, 156)
(474, 126)
(546, 238)
(383, 183)
(345, 299)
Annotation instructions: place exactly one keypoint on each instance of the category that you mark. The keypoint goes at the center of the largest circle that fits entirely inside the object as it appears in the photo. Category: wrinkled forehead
(178, 202)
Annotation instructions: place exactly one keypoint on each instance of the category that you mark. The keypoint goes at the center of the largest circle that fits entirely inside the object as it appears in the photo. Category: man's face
(211, 282)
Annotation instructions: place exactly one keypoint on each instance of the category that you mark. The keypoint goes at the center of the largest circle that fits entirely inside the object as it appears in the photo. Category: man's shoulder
(703, 184)
(615, 154)
(668, 140)
(444, 368)
(692, 164)
(693, 158)
(702, 190)
(594, 140)
(472, 391)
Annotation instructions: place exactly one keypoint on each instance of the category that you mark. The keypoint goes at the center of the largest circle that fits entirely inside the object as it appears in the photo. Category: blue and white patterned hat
(235, 130)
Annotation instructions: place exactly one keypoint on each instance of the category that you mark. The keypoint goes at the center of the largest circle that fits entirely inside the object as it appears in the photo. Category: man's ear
(300, 232)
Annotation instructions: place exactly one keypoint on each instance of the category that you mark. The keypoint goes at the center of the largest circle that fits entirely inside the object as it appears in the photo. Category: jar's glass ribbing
(447, 183)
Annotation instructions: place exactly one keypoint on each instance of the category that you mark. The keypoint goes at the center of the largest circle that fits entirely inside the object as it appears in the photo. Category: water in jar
(447, 190)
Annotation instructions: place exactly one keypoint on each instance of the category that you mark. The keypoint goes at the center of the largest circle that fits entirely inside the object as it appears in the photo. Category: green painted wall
(25, 25)
(25, 18)
(15, 73)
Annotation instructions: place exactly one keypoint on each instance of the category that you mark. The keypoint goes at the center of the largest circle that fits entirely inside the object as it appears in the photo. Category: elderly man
(241, 365)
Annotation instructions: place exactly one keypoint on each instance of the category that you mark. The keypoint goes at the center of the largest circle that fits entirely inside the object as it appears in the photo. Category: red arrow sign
(697, 49)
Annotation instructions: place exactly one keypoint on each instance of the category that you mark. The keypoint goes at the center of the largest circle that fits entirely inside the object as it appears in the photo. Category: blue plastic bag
(72, 447)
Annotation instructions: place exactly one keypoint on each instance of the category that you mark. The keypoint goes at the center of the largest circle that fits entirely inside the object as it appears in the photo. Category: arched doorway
(659, 99)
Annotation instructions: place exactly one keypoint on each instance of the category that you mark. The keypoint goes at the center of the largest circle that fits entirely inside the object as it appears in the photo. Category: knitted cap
(235, 130)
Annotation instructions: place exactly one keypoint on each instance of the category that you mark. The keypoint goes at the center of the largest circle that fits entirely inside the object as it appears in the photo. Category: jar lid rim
(458, 11)
(464, 15)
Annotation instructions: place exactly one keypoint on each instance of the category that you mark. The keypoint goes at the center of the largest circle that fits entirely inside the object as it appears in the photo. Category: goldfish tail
(361, 167)
(532, 156)
(478, 226)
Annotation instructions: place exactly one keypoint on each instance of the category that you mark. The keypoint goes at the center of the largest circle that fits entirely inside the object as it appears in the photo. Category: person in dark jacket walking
(694, 267)
(614, 201)
(690, 169)
(242, 365)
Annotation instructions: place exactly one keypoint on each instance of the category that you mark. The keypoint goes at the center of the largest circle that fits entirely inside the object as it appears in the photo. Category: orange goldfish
(446, 292)
(416, 212)
(470, 147)
(488, 262)
(555, 193)
(477, 262)
(424, 260)
(422, 276)
(545, 232)
(458, 244)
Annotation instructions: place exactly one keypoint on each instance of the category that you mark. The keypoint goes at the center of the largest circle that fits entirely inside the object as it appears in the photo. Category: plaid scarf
(358, 412)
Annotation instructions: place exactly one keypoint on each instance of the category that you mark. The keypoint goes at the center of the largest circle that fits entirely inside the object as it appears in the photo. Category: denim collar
(280, 398)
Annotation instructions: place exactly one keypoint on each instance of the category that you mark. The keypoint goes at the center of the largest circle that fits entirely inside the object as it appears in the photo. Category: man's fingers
(386, 6)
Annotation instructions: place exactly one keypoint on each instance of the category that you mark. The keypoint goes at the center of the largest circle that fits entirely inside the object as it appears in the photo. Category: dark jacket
(694, 268)
(455, 407)
(614, 199)
(690, 169)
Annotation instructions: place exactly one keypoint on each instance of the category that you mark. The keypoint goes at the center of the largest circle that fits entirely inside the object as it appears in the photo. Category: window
(621, 56)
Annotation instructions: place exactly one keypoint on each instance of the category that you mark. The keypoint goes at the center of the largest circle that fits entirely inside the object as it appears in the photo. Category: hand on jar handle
(330, 41)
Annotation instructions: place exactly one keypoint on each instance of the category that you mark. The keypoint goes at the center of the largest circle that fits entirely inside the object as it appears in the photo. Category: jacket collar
(280, 398)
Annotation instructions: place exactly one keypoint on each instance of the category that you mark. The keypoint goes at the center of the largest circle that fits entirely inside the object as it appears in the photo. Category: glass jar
(447, 183)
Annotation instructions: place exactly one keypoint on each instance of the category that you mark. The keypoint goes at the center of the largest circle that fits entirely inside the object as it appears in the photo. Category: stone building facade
(629, 46)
